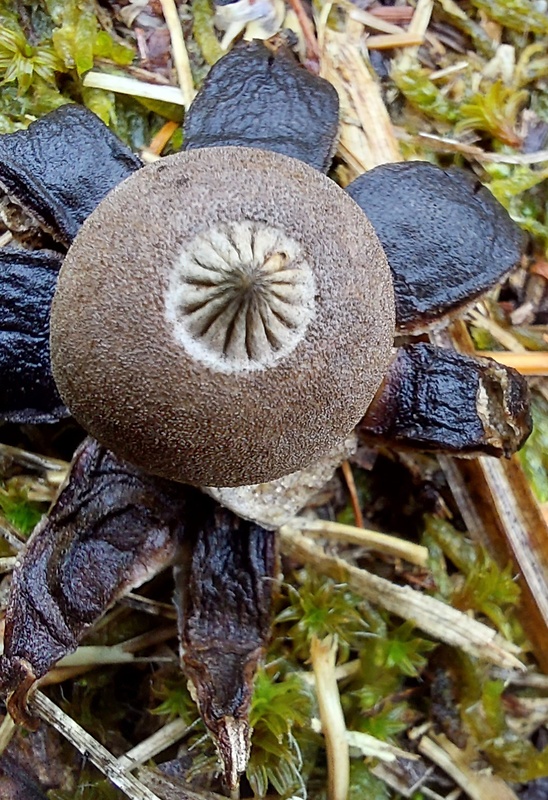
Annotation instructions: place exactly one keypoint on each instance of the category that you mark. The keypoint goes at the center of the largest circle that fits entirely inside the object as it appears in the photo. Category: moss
(481, 586)
(22, 513)
(204, 31)
(493, 111)
(423, 94)
(281, 708)
(521, 189)
(534, 455)
(319, 607)
(517, 15)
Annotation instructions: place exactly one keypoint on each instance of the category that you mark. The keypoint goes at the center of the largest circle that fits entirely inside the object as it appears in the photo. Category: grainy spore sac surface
(225, 584)
(256, 98)
(446, 238)
(27, 389)
(111, 529)
(58, 170)
(439, 400)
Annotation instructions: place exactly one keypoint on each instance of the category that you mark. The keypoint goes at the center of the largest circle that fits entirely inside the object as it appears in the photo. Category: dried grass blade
(381, 542)
(167, 736)
(435, 618)
(323, 654)
(90, 748)
(530, 363)
(500, 510)
(180, 53)
(477, 785)
(367, 136)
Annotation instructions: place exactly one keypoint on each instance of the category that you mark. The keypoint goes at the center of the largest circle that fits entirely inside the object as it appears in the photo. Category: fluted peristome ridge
(240, 296)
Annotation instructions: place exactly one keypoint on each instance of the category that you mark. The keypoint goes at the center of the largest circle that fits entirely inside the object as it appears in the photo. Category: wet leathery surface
(446, 238)
(439, 400)
(256, 98)
(111, 528)
(27, 283)
(60, 169)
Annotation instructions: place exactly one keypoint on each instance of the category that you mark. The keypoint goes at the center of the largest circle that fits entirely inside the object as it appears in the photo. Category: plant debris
(428, 644)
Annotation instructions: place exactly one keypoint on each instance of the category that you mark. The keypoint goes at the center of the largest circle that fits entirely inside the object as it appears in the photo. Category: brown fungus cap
(224, 317)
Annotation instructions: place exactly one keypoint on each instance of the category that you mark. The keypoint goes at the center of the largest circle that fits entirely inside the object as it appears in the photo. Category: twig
(7, 729)
(148, 606)
(418, 27)
(393, 13)
(448, 145)
(527, 363)
(180, 53)
(437, 619)
(93, 655)
(440, 74)
(370, 20)
(123, 85)
(168, 735)
(87, 657)
(366, 131)
(163, 136)
(323, 654)
(11, 535)
(346, 470)
(90, 748)
(505, 337)
(33, 460)
(477, 785)
(370, 746)
(309, 35)
(500, 510)
(390, 41)
(421, 18)
(532, 679)
(381, 542)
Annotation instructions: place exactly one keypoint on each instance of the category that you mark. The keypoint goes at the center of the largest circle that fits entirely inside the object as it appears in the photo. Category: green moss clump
(534, 454)
(517, 15)
(482, 586)
(494, 111)
(280, 708)
(521, 189)
(423, 94)
(204, 31)
(320, 607)
(22, 513)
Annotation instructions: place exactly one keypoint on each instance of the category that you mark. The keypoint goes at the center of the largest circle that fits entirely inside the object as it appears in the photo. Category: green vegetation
(387, 667)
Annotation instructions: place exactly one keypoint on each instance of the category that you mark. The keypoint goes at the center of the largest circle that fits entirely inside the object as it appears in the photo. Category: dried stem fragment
(168, 735)
(121, 84)
(180, 53)
(435, 618)
(7, 729)
(380, 542)
(323, 654)
(499, 509)
(525, 363)
(90, 748)
(346, 470)
(477, 785)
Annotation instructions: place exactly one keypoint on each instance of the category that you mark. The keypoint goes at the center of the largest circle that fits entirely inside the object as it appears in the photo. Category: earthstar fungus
(228, 330)
(284, 282)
